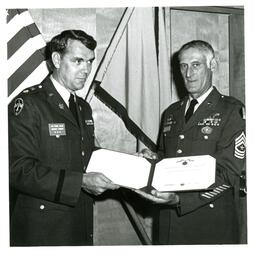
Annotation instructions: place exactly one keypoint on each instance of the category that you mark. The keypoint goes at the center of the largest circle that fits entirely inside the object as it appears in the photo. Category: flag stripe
(13, 12)
(25, 70)
(26, 64)
(21, 37)
(23, 53)
(117, 108)
(34, 78)
(17, 23)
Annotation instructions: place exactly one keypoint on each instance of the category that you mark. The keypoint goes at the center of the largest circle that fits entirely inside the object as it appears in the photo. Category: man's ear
(56, 59)
(213, 64)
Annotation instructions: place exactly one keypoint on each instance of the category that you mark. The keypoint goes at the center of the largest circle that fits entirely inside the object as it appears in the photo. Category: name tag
(57, 129)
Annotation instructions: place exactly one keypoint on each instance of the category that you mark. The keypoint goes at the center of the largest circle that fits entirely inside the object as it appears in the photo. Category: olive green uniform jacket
(48, 151)
(217, 128)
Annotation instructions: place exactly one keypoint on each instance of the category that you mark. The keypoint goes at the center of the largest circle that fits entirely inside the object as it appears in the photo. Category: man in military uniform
(203, 123)
(51, 139)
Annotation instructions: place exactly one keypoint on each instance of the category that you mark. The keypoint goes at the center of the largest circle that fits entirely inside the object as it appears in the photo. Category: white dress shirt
(64, 93)
(199, 99)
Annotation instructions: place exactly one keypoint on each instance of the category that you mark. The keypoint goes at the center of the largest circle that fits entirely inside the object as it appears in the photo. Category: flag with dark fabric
(133, 80)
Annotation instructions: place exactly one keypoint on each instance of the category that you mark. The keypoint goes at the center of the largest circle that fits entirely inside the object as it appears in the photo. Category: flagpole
(107, 57)
(134, 219)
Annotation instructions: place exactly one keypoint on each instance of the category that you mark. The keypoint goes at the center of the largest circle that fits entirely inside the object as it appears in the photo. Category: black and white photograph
(125, 125)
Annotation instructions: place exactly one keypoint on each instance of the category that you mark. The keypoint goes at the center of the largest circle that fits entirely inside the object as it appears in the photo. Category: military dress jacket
(216, 128)
(48, 151)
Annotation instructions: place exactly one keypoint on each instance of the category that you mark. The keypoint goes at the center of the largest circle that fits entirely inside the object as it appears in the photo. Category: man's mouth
(81, 78)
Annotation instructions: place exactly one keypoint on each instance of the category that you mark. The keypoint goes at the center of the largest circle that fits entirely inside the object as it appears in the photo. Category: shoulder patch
(18, 106)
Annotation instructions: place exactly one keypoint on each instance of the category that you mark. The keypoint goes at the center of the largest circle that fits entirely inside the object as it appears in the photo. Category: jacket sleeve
(160, 141)
(230, 160)
(28, 174)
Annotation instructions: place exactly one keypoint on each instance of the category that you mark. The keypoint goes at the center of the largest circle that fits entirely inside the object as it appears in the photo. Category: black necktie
(190, 110)
(72, 107)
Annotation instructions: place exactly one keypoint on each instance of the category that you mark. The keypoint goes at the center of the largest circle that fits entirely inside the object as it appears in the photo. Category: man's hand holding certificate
(158, 197)
(170, 174)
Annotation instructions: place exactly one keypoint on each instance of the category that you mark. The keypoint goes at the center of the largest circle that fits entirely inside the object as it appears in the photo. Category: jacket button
(83, 153)
(211, 205)
(206, 137)
(181, 136)
(179, 151)
(42, 206)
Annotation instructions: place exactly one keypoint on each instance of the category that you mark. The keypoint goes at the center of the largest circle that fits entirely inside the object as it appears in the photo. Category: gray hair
(200, 45)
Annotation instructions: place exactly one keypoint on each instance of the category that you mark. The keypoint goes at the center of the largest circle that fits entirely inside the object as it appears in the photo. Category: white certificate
(184, 173)
(122, 169)
(170, 174)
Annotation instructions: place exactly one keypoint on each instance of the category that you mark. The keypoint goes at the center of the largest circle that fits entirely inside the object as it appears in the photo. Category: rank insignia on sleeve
(240, 146)
(18, 106)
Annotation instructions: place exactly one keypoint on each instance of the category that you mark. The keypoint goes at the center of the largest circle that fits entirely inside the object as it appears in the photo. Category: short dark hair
(59, 43)
(201, 45)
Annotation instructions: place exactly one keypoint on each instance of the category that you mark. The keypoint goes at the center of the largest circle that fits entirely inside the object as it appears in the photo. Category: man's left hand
(159, 197)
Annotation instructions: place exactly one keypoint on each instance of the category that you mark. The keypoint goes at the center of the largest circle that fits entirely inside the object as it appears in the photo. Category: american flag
(26, 63)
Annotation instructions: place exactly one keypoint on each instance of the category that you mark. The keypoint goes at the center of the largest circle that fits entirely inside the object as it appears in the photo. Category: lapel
(55, 100)
(179, 113)
(84, 129)
(204, 110)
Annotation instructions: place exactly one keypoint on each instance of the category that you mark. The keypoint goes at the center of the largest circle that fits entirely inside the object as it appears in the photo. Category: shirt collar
(199, 99)
(64, 93)
(204, 96)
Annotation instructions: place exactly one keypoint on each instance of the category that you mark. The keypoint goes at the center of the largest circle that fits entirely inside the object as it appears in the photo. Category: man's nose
(189, 71)
(85, 68)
